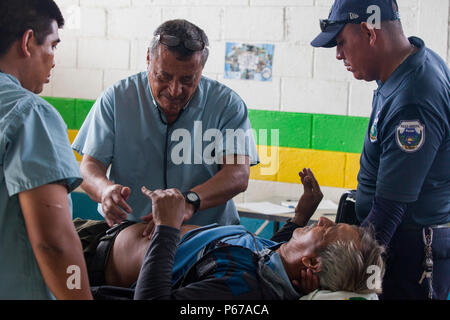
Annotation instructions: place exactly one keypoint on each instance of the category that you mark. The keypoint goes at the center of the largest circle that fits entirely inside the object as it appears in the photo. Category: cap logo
(353, 16)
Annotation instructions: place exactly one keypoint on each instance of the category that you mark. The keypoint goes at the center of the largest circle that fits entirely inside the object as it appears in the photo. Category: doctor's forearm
(94, 178)
(226, 184)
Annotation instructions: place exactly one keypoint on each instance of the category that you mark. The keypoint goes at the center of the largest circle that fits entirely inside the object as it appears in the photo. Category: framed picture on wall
(248, 61)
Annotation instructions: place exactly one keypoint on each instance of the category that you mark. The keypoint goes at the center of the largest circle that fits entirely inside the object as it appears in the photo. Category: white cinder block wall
(112, 37)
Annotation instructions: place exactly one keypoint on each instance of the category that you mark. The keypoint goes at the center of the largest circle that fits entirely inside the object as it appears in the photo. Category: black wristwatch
(192, 198)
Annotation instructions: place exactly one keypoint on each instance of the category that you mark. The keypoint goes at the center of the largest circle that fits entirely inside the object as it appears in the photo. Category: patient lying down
(127, 253)
(303, 258)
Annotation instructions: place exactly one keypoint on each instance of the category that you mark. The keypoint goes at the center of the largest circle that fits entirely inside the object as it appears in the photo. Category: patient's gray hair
(346, 266)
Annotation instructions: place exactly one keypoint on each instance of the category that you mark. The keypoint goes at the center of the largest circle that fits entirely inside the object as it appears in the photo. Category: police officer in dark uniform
(404, 179)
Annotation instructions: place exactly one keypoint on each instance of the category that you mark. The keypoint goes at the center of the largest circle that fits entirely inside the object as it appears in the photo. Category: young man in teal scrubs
(39, 248)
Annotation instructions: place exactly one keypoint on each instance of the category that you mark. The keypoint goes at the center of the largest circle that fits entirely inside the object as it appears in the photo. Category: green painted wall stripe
(82, 108)
(296, 130)
(66, 108)
(313, 131)
(338, 133)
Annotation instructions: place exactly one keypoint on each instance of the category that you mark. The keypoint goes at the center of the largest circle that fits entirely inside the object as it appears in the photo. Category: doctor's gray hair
(345, 265)
(184, 30)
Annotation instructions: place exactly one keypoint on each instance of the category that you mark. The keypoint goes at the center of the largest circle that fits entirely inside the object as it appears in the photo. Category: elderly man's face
(353, 48)
(309, 239)
(173, 82)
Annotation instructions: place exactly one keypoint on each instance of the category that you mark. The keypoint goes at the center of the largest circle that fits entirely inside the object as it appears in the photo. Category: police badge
(410, 135)
(373, 133)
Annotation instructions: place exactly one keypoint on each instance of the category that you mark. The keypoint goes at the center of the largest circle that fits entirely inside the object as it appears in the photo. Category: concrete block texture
(96, 53)
(433, 25)
(133, 23)
(66, 54)
(207, 18)
(256, 94)
(113, 37)
(318, 96)
(282, 3)
(83, 22)
(77, 83)
(211, 3)
(254, 23)
(302, 23)
(300, 59)
(105, 3)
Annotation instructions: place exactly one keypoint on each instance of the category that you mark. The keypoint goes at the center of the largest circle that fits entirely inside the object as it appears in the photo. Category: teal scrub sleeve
(238, 137)
(96, 136)
(38, 151)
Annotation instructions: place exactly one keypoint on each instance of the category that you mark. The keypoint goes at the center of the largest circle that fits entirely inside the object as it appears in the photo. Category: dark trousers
(404, 266)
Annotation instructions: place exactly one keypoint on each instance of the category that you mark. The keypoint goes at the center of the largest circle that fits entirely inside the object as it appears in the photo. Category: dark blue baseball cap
(352, 11)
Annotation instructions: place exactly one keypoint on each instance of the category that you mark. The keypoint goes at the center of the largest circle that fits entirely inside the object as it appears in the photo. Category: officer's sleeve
(96, 136)
(409, 142)
(38, 151)
(236, 130)
(385, 217)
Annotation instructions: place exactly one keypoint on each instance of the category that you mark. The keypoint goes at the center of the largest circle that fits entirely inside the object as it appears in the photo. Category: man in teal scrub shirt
(167, 128)
(39, 248)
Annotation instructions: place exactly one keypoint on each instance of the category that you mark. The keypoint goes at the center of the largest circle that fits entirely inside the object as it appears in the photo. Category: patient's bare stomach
(126, 255)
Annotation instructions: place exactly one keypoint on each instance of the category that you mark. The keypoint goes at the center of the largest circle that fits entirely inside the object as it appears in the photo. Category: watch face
(192, 197)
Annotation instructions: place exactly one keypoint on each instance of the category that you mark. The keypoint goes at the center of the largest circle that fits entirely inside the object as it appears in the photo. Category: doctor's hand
(310, 199)
(168, 207)
(114, 205)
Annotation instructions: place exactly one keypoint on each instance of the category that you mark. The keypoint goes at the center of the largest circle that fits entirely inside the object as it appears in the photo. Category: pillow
(338, 295)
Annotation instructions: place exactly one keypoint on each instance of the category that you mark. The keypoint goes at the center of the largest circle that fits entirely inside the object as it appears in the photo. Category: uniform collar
(11, 77)
(409, 65)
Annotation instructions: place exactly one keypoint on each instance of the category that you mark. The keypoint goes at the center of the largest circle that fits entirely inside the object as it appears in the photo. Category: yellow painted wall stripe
(332, 169)
(281, 164)
(72, 136)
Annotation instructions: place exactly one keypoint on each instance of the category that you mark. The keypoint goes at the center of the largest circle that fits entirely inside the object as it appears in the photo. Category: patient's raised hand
(310, 199)
(168, 207)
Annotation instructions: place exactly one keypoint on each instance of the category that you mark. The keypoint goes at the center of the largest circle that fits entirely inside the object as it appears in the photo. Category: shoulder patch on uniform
(373, 133)
(410, 135)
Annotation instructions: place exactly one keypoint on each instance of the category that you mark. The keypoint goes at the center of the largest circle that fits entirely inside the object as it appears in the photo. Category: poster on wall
(248, 61)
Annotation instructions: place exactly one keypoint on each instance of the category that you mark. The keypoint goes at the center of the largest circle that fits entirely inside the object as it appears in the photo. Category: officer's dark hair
(184, 30)
(18, 16)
